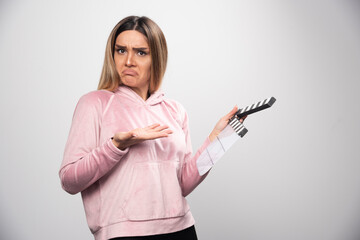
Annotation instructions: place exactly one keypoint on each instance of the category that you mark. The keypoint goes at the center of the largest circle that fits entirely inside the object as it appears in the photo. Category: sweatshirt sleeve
(190, 177)
(85, 159)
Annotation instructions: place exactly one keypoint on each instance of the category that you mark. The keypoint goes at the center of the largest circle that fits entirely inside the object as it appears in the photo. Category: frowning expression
(133, 60)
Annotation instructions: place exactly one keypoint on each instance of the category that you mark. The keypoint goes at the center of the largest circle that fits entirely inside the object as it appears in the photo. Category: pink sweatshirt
(138, 191)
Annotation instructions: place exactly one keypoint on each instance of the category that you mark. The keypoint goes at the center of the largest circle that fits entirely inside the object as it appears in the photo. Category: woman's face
(133, 61)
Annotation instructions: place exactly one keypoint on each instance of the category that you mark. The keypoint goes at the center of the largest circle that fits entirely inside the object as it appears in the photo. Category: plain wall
(295, 175)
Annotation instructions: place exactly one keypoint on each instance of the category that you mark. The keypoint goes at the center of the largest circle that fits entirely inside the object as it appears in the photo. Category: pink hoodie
(138, 191)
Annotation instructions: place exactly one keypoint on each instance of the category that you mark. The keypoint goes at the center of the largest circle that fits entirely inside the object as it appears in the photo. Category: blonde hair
(110, 79)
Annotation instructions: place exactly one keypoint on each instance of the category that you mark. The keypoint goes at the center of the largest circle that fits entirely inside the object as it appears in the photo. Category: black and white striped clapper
(238, 127)
(255, 107)
(235, 123)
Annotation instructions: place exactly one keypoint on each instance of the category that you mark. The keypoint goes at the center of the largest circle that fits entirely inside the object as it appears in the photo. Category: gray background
(295, 175)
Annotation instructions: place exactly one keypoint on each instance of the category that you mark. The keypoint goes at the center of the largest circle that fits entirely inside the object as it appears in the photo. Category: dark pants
(186, 234)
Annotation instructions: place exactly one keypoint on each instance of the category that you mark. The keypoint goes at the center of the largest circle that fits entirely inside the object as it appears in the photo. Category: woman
(129, 151)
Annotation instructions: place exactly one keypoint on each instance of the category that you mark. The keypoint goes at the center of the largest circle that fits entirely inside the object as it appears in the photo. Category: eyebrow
(137, 49)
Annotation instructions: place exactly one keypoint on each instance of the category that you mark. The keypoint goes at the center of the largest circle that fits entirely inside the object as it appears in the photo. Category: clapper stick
(255, 107)
(235, 123)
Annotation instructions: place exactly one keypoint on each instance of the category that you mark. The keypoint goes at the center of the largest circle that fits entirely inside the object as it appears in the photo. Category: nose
(130, 60)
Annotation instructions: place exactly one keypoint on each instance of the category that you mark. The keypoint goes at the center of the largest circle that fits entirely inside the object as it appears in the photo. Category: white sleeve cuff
(216, 149)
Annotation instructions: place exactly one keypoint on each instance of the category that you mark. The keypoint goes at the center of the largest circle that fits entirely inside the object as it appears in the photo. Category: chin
(128, 83)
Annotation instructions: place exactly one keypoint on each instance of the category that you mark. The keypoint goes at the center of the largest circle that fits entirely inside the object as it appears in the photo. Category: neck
(142, 92)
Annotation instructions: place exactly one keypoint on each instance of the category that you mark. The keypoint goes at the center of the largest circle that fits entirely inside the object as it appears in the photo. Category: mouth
(129, 72)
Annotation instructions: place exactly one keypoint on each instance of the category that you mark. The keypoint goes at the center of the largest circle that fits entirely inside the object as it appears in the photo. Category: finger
(162, 135)
(165, 132)
(156, 135)
(152, 126)
(231, 113)
(243, 118)
(168, 131)
(160, 128)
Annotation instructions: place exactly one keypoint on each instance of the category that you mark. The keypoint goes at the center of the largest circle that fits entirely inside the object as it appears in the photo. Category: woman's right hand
(123, 140)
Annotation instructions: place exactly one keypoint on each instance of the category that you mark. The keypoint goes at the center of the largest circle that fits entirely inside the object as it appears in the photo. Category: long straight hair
(110, 79)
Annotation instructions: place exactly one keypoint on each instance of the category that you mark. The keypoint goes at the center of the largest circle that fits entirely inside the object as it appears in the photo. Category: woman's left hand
(221, 124)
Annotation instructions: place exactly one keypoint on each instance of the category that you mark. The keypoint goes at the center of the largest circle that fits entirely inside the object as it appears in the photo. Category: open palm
(123, 140)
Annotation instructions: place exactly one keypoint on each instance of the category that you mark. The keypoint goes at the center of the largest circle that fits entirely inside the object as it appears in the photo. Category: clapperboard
(232, 132)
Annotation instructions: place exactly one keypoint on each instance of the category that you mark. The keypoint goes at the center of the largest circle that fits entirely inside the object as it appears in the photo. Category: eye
(121, 51)
(142, 53)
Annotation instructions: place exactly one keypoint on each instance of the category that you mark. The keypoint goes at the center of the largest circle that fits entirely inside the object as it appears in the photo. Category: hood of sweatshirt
(155, 98)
